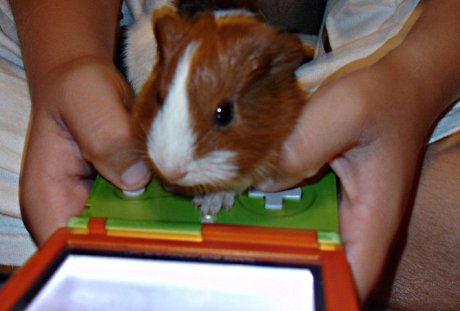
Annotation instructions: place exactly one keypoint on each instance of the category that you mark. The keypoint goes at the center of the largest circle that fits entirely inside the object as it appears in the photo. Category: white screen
(111, 283)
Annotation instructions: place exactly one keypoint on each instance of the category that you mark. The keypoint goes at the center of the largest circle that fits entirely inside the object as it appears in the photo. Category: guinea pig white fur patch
(233, 12)
(140, 56)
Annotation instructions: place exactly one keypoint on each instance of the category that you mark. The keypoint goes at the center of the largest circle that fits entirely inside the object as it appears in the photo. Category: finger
(54, 180)
(272, 185)
(374, 193)
(98, 119)
(330, 124)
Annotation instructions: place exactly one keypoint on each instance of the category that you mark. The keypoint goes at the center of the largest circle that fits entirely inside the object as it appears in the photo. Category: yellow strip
(79, 230)
(329, 247)
(157, 235)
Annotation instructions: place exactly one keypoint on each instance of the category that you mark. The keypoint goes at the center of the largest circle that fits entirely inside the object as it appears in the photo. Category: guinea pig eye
(224, 113)
(159, 98)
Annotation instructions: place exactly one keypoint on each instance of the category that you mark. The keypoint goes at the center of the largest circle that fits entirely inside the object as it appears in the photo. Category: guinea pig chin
(215, 168)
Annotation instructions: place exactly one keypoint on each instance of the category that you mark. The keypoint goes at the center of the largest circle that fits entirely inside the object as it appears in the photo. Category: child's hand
(372, 127)
(80, 124)
(369, 128)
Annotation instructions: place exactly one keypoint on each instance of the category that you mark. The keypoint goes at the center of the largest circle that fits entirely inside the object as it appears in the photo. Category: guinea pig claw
(212, 203)
(197, 201)
(228, 200)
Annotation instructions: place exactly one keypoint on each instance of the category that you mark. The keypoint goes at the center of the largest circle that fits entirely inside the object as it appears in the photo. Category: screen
(91, 282)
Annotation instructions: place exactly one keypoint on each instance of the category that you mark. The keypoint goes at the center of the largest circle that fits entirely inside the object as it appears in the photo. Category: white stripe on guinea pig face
(171, 141)
(232, 12)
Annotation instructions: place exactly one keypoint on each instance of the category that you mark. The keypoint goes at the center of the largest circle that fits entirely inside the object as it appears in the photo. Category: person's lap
(424, 271)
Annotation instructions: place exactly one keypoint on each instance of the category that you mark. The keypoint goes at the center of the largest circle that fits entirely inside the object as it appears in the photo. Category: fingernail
(135, 174)
(266, 185)
(289, 156)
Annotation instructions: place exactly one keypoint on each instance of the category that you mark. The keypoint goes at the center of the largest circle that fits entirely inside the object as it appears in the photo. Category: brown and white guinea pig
(219, 103)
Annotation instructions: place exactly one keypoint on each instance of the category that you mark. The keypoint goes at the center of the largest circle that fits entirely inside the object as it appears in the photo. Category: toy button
(274, 200)
(134, 194)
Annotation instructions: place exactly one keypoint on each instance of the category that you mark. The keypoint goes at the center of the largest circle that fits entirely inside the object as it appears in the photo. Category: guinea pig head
(220, 102)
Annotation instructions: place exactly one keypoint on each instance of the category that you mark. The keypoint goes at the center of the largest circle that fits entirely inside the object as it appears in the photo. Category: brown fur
(241, 59)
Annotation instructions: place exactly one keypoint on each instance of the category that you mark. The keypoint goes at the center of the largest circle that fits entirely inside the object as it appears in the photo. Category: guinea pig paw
(212, 203)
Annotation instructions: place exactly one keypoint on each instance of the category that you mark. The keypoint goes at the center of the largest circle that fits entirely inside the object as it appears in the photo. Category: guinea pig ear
(287, 53)
(169, 29)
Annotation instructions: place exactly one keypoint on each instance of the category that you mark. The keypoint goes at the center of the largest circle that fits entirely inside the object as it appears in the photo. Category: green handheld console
(156, 210)
(270, 252)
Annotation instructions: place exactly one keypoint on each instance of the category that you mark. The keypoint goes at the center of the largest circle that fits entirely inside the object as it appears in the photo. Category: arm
(79, 117)
(429, 58)
(372, 127)
(55, 32)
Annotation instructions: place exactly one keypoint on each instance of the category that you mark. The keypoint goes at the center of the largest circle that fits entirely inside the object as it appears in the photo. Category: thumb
(98, 120)
(329, 125)
(346, 125)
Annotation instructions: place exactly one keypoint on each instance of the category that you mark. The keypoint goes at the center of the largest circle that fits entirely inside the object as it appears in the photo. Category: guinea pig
(216, 98)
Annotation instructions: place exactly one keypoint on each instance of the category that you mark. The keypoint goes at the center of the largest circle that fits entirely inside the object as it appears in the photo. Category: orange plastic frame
(338, 289)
